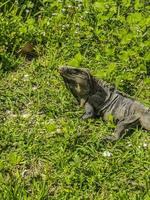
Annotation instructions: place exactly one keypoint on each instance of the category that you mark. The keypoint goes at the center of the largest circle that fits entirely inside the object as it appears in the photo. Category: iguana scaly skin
(104, 101)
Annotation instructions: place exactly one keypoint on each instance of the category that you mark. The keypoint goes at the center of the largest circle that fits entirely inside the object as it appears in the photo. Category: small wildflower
(63, 10)
(27, 10)
(26, 77)
(34, 87)
(107, 154)
(54, 14)
(79, 5)
(145, 145)
(58, 130)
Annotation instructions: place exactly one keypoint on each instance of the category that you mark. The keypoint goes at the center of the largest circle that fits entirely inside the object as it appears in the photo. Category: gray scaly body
(104, 101)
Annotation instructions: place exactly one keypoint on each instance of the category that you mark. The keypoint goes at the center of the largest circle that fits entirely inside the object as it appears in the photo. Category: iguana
(101, 100)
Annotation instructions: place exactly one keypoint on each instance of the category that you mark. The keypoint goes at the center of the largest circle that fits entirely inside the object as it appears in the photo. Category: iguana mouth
(65, 69)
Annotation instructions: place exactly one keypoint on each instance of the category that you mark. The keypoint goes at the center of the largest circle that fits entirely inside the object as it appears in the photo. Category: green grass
(47, 151)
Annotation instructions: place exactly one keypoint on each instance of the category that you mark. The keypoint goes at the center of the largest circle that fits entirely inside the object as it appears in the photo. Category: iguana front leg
(89, 111)
(122, 126)
(96, 100)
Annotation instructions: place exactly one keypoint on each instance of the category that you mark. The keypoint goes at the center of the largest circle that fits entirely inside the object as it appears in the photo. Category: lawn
(47, 151)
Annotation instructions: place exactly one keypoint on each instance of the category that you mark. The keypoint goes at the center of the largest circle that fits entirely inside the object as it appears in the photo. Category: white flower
(26, 77)
(79, 5)
(107, 154)
(58, 130)
(54, 14)
(27, 10)
(34, 87)
(145, 145)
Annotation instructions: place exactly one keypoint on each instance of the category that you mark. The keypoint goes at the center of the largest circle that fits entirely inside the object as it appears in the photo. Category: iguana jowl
(101, 100)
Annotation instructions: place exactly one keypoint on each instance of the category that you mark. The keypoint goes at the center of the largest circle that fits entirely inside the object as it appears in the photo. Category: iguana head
(78, 81)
